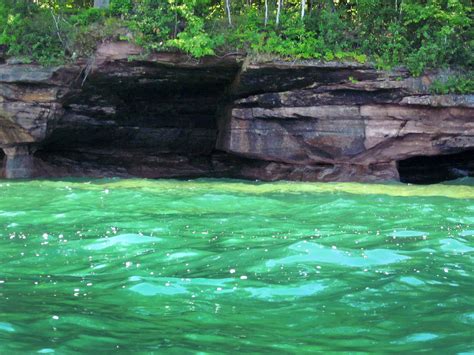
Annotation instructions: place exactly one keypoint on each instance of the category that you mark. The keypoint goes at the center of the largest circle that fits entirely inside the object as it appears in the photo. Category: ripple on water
(181, 255)
(408, 234)
(411, 280)
(6, 327)
(159, 265)
(173, 286)
(454, 245)
(467, 318)
(286, 292)
(122, 240)
(418, 337)
(12, 214)
(463, 220)
(467, 233)
(319, 253)
(149, 289)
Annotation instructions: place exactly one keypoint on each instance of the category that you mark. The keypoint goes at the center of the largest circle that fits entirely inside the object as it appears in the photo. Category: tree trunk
(101, 4)
(227, 9)
(278, 12)
(303, 6)
(266, 13)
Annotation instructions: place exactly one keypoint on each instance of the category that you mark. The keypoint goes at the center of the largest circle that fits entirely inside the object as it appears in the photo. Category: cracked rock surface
(166, 115)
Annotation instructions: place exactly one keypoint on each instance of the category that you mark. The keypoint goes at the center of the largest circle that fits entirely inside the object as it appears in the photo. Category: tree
(227, 9)
(266, 13)
(279, 6)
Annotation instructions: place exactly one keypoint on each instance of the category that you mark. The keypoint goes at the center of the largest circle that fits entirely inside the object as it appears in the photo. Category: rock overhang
(274, 120)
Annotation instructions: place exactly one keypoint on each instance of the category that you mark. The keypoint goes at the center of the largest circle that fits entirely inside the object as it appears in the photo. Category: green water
(229, 266)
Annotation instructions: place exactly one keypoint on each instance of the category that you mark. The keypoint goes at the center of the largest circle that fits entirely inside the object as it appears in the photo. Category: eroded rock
(360, 127)
(125, 114)
(19, 161)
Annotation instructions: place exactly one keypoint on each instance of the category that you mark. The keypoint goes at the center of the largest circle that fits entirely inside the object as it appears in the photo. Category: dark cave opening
(151, 121)
(437, 168)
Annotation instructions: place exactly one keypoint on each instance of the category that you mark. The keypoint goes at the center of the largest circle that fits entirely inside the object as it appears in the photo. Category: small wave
(122, 240)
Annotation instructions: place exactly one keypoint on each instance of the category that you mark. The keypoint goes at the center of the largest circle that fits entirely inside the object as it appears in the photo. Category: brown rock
(164, 115)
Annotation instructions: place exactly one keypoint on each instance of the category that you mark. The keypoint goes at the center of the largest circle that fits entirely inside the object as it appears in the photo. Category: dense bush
(30, 33)
(419, 34)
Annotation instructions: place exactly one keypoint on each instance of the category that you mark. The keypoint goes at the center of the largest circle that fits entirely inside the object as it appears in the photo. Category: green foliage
(454, 84)
(89, 27)
(193, 39)
(419, 34)
(353, 80)
(439, 32)
(85, 39)
(35, 37)
(121, 7)
(152, 21)
(87, 17)
(331, 28)
(292, 39)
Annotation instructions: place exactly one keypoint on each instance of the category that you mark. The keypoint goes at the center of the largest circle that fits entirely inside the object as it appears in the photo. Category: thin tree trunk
(278, 11)
(58, 32)
(266, 13)
(175, 33)
(303, 6)
(227, 8)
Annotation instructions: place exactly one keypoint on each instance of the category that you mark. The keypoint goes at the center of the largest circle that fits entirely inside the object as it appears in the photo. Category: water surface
(228, 266)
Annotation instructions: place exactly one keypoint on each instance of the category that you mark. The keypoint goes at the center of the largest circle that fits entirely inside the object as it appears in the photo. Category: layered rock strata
(166, 115)
(341, 122)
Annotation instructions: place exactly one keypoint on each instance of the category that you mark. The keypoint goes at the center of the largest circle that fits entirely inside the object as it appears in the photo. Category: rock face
(29, 108)
(341, 123)
(120, 114)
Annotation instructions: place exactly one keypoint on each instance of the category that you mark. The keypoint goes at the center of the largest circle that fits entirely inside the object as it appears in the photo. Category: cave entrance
(437, 168)
(142, 119)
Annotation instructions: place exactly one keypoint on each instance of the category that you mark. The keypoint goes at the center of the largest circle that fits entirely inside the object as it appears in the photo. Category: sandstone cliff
(166, 115)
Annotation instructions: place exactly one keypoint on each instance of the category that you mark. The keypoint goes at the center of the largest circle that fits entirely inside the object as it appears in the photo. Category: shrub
(419, 34)
(35, 37)
(454, 84)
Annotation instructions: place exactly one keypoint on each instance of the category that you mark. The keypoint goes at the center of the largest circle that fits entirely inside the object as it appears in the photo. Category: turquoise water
(227, 266)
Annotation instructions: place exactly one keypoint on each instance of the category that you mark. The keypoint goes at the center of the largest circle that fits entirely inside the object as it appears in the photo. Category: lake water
(229, 266)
